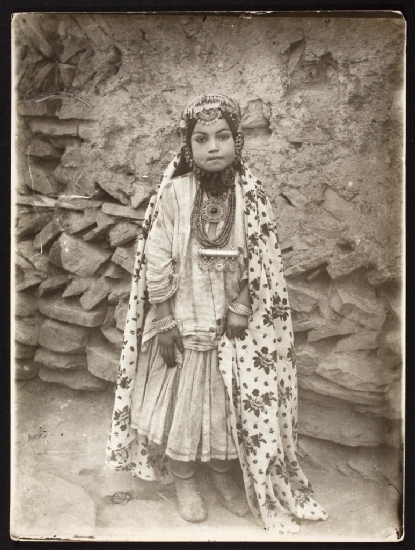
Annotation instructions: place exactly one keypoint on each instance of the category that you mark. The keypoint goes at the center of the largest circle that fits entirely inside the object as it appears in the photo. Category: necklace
(214, 208)
(212, 256)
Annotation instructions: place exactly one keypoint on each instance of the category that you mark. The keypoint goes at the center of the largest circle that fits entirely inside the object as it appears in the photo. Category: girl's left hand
(235, 324)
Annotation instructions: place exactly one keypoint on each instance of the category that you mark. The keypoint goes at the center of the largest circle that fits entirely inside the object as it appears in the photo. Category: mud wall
(97, 101)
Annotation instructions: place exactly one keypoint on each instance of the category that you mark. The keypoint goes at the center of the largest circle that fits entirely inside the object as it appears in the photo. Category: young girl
(207, 372)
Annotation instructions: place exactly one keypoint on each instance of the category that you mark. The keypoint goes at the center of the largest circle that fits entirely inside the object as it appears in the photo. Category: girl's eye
(200, 139)
(224, 137)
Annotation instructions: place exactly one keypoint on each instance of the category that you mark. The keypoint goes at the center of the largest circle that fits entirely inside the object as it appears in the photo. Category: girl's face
(213, 146)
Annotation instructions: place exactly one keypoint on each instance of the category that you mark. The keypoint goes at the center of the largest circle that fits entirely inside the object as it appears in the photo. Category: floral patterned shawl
(259, 373)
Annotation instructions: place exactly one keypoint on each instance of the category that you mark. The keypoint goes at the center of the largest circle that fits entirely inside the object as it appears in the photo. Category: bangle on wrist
(165, 324)
(240, 309)
(167, 327)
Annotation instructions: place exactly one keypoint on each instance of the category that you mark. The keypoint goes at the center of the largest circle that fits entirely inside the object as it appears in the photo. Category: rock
(25, 304)
(323, 454)
(92, 26)
(53, 126)
(70, 311)
(294, 196)
(72, 157)
(42, 148)
(67, 73)
(78, 221)
(32, 223)
(79, 205)
(380, 464)
(37, 259)
(323, 386)
(125, 257)
(307, 360)
(76, 380)
(54, 360)
(63, 338)
(123, 211)
(391, 407)
(344, 263)
(77, 286)
(30, 280)
(38, 201)
(297, 262)
(109, 320)
(388, 357)
(120, 315)
(25, 369)
(307, 321)
(48, 233)
(22, 263)
(141, 194)
(336, 327)
(120, 291)
(374, 464)
(122, 233)
(27, 330)
(391, 274)
(103, 222)
(72, 40)
(339, 208)
(98, 291)
(48, 507)
(23, 351)
(358, 302)
(114, 271)
(301, 298)
(89, 131)
(118, 186)
(114, 336)
(253, 117)
(103, 359)
(74, 181)
(358, 341)
(36, 37)
(51, 284)
(337, 421)
(76, 256)
(392, 294)
(394, 341)
(356, 371)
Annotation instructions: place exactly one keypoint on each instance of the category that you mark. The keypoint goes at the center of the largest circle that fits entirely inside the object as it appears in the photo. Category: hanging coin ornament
(211, 259)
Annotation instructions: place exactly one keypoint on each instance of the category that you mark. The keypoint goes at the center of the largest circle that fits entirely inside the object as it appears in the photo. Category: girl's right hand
(167, 340)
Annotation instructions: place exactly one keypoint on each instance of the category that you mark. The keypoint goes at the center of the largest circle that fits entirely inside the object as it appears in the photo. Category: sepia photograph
(208, 276)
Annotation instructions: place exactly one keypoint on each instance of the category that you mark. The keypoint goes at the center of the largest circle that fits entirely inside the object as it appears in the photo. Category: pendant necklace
(214, 209)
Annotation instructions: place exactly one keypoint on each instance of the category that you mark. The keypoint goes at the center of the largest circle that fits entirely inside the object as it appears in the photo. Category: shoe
(191, 506)
(231, 496)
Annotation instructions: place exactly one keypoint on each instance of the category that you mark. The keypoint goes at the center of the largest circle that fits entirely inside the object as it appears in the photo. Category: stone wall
(97, 102)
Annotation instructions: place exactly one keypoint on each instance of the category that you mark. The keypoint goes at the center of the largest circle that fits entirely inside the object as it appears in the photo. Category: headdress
(208, 108)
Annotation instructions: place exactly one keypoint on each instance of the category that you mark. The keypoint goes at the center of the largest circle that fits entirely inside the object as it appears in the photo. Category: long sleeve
(162, 281)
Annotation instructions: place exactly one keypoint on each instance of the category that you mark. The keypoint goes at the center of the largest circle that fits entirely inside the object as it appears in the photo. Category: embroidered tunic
(199, 299)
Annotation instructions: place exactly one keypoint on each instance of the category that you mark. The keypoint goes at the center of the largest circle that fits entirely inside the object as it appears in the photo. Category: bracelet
(168, 327)
(240, 309)
(163, 322)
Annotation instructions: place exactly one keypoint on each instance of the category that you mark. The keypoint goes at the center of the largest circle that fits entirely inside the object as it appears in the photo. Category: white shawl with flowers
(258, 370)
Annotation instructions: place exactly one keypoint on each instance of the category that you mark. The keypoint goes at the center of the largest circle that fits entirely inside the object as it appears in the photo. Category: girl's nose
(213, 146)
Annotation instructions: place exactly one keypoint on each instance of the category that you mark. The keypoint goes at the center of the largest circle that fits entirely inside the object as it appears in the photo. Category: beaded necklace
(217, 207)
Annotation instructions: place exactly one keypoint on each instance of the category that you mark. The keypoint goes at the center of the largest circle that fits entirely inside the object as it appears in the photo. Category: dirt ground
(62, 490)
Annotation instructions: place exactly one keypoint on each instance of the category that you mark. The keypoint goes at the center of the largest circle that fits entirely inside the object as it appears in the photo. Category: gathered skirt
(184, 409)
